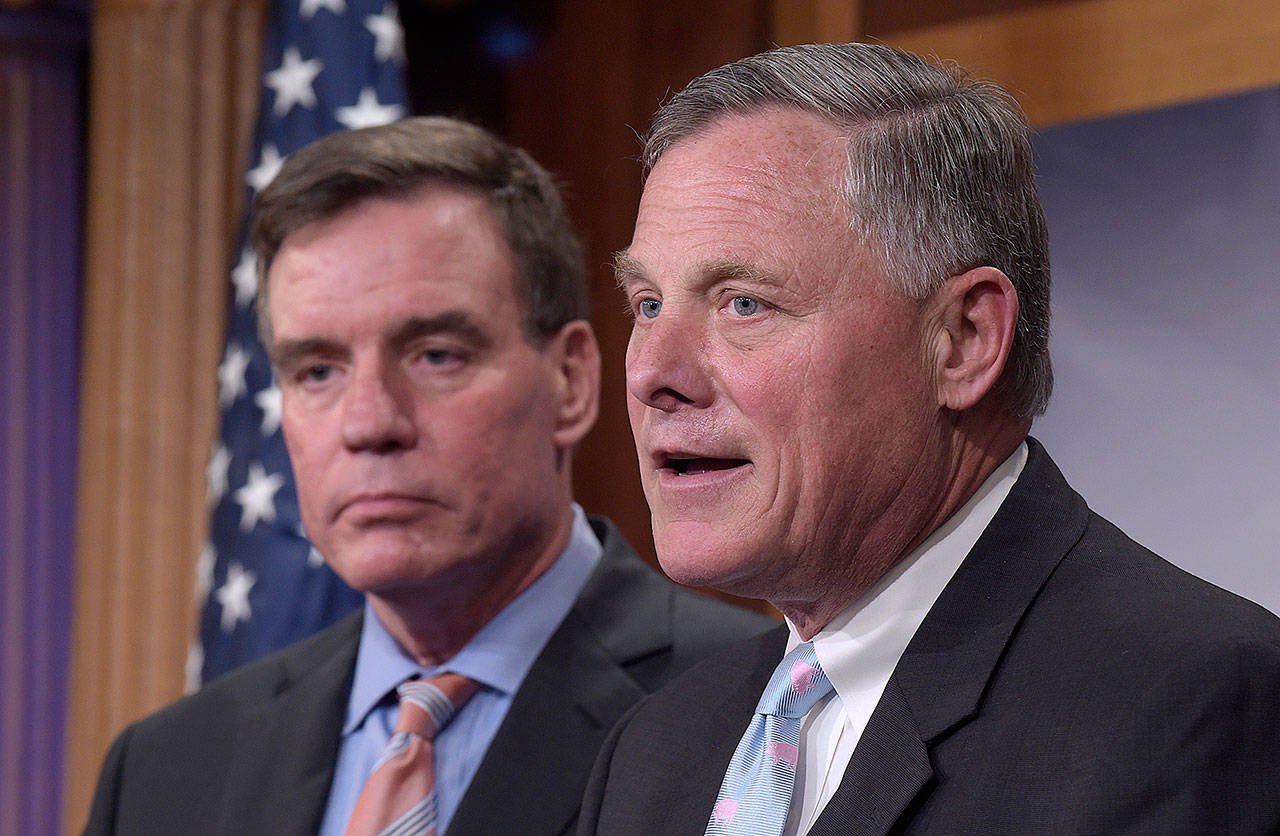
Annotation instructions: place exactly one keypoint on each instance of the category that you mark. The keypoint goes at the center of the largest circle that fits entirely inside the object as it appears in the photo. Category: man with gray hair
(424, 305)
(840, 287)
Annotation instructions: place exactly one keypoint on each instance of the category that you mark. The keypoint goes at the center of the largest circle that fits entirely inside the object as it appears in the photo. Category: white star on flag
(258, 497)
(292, 81)
(314, 559)
(309, 8)
(318, 74)
(204, 570)
(215, 473)
(387, 34)
(231, 375)
(234, 596)
(194, 666)
(367, 112)
(268, 400)
(267, 169)
(245, 277)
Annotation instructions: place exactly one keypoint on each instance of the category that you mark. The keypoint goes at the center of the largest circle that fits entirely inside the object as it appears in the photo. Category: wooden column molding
(815, 21)
(1090, 59)
(174, 87)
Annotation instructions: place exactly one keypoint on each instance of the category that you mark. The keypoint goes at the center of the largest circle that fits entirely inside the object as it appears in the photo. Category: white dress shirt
(861, 646)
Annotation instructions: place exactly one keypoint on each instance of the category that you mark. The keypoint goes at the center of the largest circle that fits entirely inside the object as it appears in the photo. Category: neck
(973, 448)
(434, 621)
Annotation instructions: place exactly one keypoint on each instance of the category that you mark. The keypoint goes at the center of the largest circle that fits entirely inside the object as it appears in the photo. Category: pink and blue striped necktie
(400, 797)
(756, 794)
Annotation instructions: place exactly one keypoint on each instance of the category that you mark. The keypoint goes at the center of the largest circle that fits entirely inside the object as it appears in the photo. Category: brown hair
(336, 173)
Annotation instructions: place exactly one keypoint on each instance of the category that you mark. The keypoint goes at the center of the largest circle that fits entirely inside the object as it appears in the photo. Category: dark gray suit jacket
(254, 752)
(1067, 681)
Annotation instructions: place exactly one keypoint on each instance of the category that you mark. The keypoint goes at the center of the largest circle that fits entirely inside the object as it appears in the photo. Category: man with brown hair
(424, 306)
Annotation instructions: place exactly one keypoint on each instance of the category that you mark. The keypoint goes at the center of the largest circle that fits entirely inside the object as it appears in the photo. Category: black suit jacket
(1067, 681)
(254, 752)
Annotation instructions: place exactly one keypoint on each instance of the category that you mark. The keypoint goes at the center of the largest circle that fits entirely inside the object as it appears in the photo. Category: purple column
(42, 61)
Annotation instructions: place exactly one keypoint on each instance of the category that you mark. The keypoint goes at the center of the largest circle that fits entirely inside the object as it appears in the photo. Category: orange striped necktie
(400, 797)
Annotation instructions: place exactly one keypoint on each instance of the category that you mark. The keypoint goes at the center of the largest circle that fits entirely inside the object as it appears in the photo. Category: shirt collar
(861, 646)
(500, 654)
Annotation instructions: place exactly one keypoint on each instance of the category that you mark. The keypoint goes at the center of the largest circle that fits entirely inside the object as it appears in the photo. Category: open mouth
(694, 465)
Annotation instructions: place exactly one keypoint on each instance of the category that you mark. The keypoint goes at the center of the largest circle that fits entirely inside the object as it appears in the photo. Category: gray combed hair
(940, 177)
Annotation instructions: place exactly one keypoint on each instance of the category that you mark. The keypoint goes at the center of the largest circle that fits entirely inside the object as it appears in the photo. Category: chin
(706, 561)
(374, 570)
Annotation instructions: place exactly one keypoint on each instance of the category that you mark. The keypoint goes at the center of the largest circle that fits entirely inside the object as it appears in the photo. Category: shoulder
(181, 758)
(702, 624)
(1110, 586)
(1126, 665)
(704, 704)
(1115, 630)
(215, 709)
(1098, 580)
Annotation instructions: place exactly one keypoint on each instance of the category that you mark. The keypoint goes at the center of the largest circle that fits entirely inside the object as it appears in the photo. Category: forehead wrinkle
(801, 169)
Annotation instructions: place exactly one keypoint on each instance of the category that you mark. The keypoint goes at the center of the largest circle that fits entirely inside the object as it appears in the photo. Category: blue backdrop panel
(1165, 238)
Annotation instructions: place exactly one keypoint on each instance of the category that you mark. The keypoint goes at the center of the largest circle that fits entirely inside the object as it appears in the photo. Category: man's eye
(745, 306)
(437, 356)
(649, 308)
(317, 373)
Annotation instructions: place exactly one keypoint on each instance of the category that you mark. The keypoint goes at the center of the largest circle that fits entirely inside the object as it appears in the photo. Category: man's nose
(668, 366)
(377, 411)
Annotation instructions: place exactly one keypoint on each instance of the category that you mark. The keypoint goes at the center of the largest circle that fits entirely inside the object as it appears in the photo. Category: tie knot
(427, 705)
(796, 685)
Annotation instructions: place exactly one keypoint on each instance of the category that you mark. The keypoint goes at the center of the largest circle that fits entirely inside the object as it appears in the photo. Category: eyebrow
(732, 268)
(628, 270)
(455, 323)
(286, 353)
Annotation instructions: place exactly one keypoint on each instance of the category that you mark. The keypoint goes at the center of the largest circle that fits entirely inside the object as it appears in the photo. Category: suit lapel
(288, 744)
(580, 678)
(576, 682)
(675, 748)
(888, 768)
(732, 684)
(939, 682)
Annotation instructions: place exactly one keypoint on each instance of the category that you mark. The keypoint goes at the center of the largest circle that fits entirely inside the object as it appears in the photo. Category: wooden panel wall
(576, 106)
(1086, 59)
(174, 81)
(173, 84)
(811, 21)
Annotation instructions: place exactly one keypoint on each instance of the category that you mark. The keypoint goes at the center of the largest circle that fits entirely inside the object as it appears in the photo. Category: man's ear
(974, 315)
(577, 371)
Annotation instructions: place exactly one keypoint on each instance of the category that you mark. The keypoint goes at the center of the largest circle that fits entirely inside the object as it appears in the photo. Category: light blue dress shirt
(498, 656)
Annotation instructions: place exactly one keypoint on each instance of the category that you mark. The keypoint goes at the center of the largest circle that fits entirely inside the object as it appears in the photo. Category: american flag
(327, 65)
